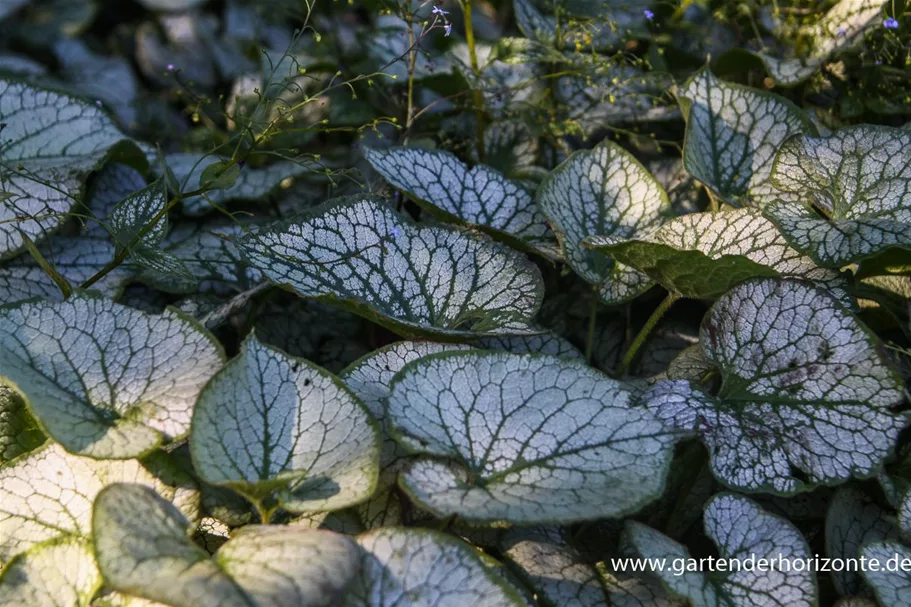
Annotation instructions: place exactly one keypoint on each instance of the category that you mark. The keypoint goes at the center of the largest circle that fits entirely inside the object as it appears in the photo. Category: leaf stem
(643, 334)
(475, 67)
(590, 341)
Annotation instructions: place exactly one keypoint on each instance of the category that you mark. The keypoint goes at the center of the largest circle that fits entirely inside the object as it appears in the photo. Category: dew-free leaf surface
(530, 438)
(853, 194)
(143, 548)
(703, 255)
(602, 192)
(415, 279)
(479, 195)
(806, 397)
(58, 573)
(732, 134)
(102, 379)
(51, 142)
(273, 426)
(741, 530)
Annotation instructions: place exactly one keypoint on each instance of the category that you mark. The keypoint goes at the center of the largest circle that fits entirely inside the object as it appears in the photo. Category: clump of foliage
(443, 303)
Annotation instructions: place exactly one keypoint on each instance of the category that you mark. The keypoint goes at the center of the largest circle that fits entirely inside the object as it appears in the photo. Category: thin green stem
(590, 342)
(644, 333)
(412, 65)
(475, 67)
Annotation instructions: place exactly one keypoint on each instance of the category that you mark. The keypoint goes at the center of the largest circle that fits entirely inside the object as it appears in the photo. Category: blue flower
(448, 28)
(891, 23)
(648, 14)
(842, 32)
(394, 232)
(438, 11)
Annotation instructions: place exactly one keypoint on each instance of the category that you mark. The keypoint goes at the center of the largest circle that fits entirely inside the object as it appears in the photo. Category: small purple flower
(98, 102)
(438, 11)
(877, 62)
(448, 28)
(891, 23)
(648, 14)
(394, 232)
(842, 32)
(170, 67)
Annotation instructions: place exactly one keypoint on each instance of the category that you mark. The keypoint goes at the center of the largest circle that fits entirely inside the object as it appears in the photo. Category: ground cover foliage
(442, 303)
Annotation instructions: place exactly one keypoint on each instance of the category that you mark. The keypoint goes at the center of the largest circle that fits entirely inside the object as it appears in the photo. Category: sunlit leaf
(742, 531)
(850, 194)
(143, 548)
(703, 255)
(531, 438)
(732, 134)
(602, 192)
(478, 196)
(19, 433)
(415, 279)
(48, 494)
(806, 397)
(102, 379)
(280, 428)
(59, 573)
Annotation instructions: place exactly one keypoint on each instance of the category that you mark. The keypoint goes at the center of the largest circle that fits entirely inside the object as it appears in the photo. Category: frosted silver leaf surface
(270, 425)
(530, 439)
(806, 397)
(102, 379)
(416, 279)
(732, 134)
(602, 192)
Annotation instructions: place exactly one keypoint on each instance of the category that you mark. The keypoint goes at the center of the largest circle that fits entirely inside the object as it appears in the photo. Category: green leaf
(531, 439)
(51, 142)
(703, 255)
(48, 494)
(479, 196)
(221, 175)
(59, 573)
(143, 548)
(732, 134)
(852, 521)
(139, 211)
(415, 279)
(19, 433)
(279, 428)
(850, 194)
(561, 576)
(742, 531)
(421, 567)
(251, 184)
(369, 378)
(806, 398)
(102, 379)
(602, 192)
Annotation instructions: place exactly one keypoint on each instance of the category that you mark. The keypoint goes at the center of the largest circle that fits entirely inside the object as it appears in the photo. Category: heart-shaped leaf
(561, 576)
(143, 548)
(703, 255)
(805, 395)
(102, 379)
(479, 196)
(48, 494)
(412, 567)
(850, 194)
(248, 183)
(414, 279)
(744, 533)
(531, 439)
(54, 574)
(139, 218)
(602, 192)
(853, 520)
(51, 142)
(732, 134)
(284, 432)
